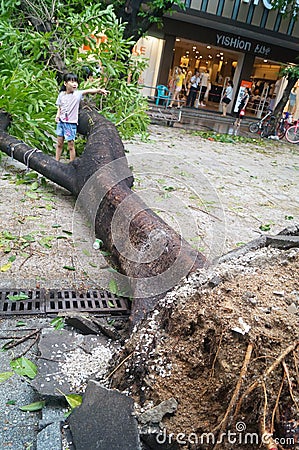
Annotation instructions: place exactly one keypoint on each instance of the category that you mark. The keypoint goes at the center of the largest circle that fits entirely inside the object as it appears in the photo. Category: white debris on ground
(249, 263)
(79, 366)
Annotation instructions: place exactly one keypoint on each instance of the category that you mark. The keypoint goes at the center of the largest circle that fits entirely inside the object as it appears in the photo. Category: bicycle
(267, 126)
(292, 133)
(264, 126)
(285, 122)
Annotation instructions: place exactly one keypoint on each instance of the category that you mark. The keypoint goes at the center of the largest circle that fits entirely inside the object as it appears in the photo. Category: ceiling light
(208, 46)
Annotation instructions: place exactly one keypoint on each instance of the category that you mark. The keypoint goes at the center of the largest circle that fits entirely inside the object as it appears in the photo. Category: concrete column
(247, 67)
(167, 58)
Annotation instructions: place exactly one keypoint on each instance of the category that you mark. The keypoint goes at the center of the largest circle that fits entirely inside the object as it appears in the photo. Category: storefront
(232, 39)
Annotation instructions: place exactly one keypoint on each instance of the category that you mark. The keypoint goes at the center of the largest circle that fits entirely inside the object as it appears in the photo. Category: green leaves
(71, 268)
(24, 367)
(5, 267)
(227, 138)
(17, 297)
(265, 227)
(74, 400)
(28, 86)
(113, 287)
(36, 406)
(289, 8)
(57, 323)
(5, 376)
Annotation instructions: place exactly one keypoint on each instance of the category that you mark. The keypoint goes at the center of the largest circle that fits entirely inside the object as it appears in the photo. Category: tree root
(235, 404)
(266, 373)
(224, 422)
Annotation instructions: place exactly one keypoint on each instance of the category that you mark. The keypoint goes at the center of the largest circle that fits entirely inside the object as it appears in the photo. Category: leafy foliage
(40, 40)
(233, 139)
(74, 400)
(18, 297)
(292, 75)
(140, 14)
(288, 8)
(24, 367)
(58, 323)
(31, 407)
(4, 376)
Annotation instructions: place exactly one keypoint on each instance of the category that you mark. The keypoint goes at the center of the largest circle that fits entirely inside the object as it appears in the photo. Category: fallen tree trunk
(150, 256)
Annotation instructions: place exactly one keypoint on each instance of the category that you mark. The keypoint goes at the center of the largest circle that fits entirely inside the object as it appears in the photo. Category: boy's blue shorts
(66, 130)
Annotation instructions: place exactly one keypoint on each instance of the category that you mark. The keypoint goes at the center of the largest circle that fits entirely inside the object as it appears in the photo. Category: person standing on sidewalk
(204, 81)
(68, 103)
(194, 82)
(241, 107)
(179, 81)
(227, 97)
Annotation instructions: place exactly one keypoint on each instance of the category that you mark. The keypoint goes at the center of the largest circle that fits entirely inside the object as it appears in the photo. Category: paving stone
(54, 347)
(104, 421)
(50, 437)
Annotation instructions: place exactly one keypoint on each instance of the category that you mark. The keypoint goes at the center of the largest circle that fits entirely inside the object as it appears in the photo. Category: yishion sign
(245, 45)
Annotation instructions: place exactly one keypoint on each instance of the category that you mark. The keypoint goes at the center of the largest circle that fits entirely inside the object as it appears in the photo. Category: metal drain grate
(99, 301)
(54, 301)
(35, 303)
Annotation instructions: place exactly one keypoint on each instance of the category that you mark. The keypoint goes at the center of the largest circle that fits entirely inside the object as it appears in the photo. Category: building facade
(241, 40)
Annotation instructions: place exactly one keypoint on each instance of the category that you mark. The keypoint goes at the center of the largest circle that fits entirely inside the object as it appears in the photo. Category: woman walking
(227, 98)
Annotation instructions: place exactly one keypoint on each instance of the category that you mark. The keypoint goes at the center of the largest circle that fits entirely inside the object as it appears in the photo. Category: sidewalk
(206, 118)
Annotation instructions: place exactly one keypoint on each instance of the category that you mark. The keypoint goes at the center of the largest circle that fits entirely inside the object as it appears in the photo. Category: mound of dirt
(224, 345)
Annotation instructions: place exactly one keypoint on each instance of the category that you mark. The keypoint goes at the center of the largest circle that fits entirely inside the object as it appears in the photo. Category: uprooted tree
(42, 41)
(151, 257)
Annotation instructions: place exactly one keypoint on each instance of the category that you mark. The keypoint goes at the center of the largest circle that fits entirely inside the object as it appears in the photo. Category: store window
(265, 86)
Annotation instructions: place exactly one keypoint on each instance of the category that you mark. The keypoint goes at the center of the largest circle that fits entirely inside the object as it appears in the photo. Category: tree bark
(285, 96)
(149, 255)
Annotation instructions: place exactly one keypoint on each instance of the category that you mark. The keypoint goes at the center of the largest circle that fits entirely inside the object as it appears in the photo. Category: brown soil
(191, 349)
